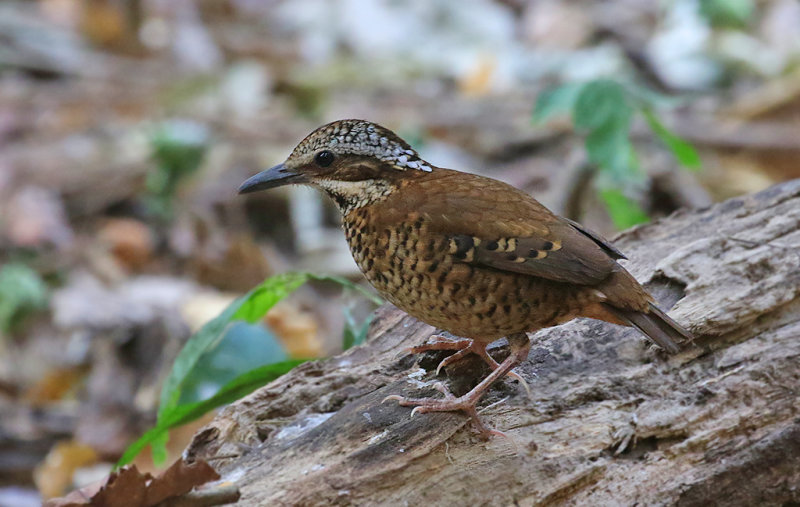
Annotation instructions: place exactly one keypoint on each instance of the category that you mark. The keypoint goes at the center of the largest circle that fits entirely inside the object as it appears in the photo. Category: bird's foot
(464, 347)
(468, 402)
(450, 403)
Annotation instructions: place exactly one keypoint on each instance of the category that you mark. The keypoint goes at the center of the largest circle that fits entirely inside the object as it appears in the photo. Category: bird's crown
(361, 138)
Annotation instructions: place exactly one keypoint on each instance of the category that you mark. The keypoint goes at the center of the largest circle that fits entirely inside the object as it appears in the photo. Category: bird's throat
(351, 195)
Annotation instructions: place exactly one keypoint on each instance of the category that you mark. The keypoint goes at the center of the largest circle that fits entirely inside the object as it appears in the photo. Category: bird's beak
(273, 177)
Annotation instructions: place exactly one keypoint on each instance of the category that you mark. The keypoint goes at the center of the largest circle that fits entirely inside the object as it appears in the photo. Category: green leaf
(643, 96)
(727, 13)
(251, 307)
(22, 290)
(609, 147)
(623, 211)
(237, 388)
(158, 447)
(555, 100)
(261, 299)
(243, 347)
(178, 149)
(600, 103)
(355, 334)
(148, 438)
(683, 152)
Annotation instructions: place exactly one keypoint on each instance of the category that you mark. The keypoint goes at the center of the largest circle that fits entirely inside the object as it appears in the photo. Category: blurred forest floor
(126, 127)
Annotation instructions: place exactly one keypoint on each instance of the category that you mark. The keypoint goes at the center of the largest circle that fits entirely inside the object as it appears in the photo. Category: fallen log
(612, 419)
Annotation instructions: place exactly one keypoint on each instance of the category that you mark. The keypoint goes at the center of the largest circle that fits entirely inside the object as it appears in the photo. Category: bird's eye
(324, 158)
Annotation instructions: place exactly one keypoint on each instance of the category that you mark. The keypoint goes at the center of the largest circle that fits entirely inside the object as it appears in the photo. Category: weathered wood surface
(613, 421)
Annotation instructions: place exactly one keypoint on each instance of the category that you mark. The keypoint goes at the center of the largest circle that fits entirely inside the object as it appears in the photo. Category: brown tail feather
(657, 325)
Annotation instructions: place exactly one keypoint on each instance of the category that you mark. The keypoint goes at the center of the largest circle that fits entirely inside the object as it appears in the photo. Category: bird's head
(354, 161)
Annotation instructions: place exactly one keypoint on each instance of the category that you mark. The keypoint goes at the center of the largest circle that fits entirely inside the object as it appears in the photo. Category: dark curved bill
(273, 177)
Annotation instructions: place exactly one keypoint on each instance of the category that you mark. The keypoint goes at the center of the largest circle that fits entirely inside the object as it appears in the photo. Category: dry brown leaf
(234, 266)
(179, 479)
(128, 487)
(130, 241)
(54, 385)
(478, 81)
(297, 330)
(54, 475)
(125, 488)
(110, 24)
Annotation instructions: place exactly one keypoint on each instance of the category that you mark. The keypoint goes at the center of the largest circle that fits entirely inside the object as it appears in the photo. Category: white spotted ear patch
(359, 137)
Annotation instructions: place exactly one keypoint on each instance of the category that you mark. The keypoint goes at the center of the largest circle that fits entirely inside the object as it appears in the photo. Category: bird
(464, 253)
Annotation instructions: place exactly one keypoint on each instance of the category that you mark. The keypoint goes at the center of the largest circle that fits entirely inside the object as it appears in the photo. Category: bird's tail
(657, 325)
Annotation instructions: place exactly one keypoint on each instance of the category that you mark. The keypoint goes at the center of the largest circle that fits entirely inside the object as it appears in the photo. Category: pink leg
(520, 346)
(464, 347)
(441, 343)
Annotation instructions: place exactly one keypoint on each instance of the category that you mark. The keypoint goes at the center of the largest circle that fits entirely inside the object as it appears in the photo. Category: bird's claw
(418, 410)
(497, 433)
(521, 380)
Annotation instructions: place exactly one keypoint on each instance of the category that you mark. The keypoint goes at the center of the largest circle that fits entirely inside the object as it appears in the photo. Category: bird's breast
(413, 268)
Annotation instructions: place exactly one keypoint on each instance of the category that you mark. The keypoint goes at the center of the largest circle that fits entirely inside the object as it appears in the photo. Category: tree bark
(612, 419)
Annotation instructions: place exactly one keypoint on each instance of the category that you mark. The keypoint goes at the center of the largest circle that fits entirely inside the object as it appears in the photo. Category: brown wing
(610, 249)
(490, 223)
